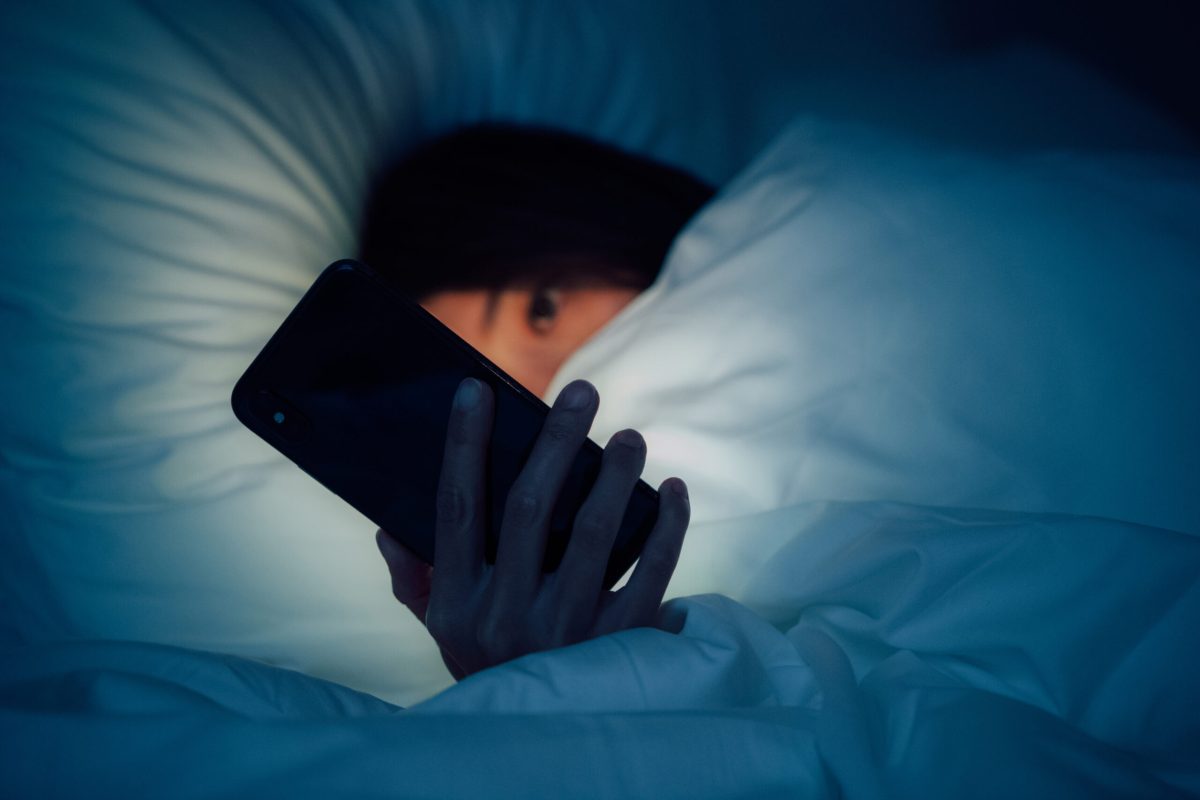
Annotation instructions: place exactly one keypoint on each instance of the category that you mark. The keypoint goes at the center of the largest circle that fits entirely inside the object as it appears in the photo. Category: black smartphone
(355, 388)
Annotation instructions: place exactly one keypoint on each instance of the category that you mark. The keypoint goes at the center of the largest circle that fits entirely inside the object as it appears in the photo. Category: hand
(481, 615)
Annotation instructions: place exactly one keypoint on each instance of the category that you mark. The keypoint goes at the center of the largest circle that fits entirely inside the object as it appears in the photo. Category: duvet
(862, 650)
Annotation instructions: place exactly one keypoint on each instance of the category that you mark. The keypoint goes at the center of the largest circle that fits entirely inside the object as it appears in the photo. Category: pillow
(863, 316)
(176, 176)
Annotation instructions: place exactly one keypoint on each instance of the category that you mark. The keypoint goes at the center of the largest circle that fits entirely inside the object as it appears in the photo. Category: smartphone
(355, 388)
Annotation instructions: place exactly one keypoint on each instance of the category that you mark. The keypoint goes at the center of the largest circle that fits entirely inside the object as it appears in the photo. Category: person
(526, 242)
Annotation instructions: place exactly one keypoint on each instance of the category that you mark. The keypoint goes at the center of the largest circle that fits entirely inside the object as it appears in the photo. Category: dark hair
(495, 206)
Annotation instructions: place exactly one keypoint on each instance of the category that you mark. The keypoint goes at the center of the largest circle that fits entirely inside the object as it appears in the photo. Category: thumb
(411, 577)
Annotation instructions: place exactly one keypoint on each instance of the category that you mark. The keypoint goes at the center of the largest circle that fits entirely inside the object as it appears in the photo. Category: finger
(461, 517)
(643, 594)
(531, 499)
(411, 578)
(410, 575)
(581, 574)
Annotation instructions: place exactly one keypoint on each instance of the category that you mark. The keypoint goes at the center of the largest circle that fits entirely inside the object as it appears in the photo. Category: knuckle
(523, 507)
(497, 636)
(593, 535)
(558, 430)
(658, 564)
(451, 503)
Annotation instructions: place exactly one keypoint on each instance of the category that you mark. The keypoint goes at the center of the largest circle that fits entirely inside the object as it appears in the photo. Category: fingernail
(467, 395)
(577, 395)
(679, 488)
(629, 438)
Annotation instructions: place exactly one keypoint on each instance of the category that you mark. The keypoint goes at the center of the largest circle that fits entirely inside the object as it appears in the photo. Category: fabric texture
(176, 176)
(879, 651)
(865, 316)
(987, 318)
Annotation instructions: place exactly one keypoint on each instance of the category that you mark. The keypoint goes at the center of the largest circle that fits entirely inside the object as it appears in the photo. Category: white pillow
(174, 177)
(865, 317)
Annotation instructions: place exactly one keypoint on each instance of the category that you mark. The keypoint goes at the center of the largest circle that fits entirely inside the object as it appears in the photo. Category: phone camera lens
(283, 419)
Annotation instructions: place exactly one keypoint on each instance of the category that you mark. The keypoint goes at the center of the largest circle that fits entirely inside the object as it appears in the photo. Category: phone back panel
(355, 388)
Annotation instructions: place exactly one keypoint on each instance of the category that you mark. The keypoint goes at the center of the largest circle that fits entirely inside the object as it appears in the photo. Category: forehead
(462, 310)
(467, 312)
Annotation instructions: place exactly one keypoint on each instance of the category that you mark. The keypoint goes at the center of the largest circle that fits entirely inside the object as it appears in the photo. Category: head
(525, 241)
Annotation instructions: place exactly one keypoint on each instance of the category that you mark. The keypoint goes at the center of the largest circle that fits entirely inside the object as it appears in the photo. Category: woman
(526, 242)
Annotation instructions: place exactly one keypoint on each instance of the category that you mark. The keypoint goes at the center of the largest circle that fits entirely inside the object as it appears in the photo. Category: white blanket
(879, 650)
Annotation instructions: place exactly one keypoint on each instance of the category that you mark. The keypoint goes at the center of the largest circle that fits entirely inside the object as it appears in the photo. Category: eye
(543, 309)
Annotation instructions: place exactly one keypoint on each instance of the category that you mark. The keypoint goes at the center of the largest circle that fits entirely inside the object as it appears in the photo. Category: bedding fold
(880, 650)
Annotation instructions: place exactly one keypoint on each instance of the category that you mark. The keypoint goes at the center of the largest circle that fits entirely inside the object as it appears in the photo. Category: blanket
(866, 650)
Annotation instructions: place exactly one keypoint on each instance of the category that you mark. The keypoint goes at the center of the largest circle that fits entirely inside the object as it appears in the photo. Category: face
(528, 333)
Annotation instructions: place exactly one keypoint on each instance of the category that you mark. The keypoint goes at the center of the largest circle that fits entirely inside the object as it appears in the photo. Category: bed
(936, 336)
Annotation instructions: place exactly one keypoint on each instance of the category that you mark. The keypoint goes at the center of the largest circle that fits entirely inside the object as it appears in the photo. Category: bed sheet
(874, 650)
